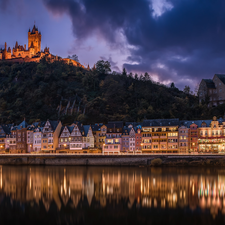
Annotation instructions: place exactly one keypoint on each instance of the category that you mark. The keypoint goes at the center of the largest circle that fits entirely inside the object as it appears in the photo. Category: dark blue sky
(179, 41)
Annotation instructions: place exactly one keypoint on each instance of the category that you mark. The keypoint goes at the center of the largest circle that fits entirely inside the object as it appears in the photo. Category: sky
(180, 41)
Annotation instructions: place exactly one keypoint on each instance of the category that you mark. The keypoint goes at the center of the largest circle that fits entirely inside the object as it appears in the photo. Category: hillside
(35, 90)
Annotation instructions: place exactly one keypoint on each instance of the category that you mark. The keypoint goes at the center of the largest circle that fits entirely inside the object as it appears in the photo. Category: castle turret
(34, 37)
(93, 68)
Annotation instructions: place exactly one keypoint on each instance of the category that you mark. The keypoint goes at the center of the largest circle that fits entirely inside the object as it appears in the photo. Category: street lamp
(103, 149)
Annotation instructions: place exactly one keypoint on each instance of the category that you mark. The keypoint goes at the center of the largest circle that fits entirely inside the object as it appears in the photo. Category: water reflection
(138, 188)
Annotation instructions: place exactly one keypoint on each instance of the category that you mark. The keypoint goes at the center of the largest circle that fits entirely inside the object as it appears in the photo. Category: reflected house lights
(115, 185)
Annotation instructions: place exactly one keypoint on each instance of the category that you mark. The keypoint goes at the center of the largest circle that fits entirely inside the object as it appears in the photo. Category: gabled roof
(70, 129)
(209, 83)
(79, 125)
(161, 122)
(53, 124)
(62, 128)
(86, 129)
(5, 129)
(221, 77)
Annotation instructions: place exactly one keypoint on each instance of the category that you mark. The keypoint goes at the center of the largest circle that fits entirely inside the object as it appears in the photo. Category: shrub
(156, 162)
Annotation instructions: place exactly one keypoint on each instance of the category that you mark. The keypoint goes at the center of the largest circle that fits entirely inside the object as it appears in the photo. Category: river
(111, 195)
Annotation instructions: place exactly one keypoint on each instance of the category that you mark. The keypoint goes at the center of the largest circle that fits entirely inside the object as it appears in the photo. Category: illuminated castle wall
(20, 51)
(32, 52)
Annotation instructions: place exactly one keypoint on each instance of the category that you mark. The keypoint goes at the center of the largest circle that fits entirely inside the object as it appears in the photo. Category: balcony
(62, 148)
(163, 137)
(155, 137)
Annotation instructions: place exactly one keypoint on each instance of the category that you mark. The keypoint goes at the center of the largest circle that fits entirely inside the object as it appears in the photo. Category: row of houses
(149, 136)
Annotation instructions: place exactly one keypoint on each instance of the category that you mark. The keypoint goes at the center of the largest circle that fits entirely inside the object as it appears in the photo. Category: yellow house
(99, 132)
(160, 136)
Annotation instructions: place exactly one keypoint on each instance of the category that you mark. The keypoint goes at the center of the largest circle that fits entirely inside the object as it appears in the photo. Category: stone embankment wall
(113, 160)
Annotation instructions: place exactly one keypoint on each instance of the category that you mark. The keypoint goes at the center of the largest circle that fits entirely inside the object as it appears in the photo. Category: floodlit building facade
(160, 136)
(113, 140)
(50, 135)
(211, 137)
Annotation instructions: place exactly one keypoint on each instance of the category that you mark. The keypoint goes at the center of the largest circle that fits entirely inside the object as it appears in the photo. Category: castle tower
(5, 52)
(34, 40)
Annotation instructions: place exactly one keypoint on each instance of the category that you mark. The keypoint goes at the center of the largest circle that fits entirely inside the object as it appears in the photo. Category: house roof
(96, 127)
(86, 129)
(221, 77)
(115, 124)
(31, 127)
(188, 123)
(134, 124)
(209, 83)
(5, 129)
(38, 129)
(54, 124)
(22, 125)
(161, 122)
(70, 129)
(126, 131)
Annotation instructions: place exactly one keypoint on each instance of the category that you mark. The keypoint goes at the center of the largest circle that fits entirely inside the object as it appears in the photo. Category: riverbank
(113, 160)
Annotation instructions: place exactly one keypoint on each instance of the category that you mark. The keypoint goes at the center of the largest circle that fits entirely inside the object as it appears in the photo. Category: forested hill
(40, 91)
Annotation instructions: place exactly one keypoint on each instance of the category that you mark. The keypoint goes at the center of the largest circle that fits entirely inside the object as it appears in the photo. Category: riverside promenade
(114, 160)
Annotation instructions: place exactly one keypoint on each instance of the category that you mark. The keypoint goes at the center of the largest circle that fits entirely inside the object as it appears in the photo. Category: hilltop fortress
(32, 52)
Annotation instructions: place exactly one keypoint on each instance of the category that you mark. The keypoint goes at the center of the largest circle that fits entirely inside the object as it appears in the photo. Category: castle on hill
(32, 52)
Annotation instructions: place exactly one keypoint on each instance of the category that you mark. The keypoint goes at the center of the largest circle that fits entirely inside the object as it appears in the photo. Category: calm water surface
(111, 195)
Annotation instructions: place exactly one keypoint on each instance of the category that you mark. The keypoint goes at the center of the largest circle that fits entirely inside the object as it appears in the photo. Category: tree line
(34, 90)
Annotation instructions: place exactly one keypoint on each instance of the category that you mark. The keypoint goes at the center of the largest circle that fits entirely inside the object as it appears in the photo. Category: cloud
(177, 40)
